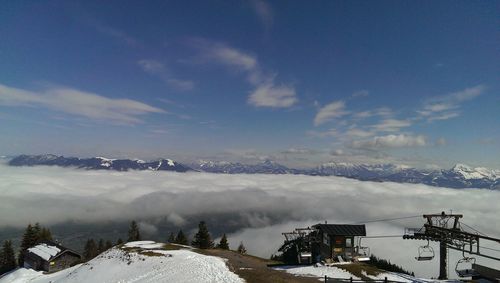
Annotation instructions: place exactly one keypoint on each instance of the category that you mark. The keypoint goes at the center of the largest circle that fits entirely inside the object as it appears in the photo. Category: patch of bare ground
(255, 269)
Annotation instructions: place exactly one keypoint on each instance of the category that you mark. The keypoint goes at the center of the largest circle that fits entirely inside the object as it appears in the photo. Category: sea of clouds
(266, 205)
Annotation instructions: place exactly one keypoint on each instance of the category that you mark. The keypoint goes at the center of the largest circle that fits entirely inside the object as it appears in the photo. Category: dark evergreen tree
(202, 239)
(90, 250)
(44, 235)
(223, 244)
(30, 238)
(241, 249)
(171, 238)
(100, 246)
(119, 241)
(181, 239)
(133, 232)
(37, 230)
(7, 258)
(108, 245)
(387, 265)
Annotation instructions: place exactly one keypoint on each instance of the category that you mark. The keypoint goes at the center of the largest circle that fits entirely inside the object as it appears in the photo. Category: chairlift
(363, 252)
(464, 267)
(425, 253)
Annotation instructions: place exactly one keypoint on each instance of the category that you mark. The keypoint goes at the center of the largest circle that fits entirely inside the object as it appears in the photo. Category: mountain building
(50, 257)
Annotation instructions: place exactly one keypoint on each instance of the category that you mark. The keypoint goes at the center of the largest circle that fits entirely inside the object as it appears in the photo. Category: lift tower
(432, 232)
(446, 229)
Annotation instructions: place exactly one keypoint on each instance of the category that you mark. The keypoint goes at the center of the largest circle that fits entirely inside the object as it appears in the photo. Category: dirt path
(254, 269)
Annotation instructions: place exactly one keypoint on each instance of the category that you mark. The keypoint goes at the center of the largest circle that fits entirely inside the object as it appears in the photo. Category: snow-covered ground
(318, 271)
(144, 262)
(339, 273)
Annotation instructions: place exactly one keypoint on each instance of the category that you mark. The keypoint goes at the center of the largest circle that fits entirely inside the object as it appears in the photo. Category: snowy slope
(144, 261)
(336, 272)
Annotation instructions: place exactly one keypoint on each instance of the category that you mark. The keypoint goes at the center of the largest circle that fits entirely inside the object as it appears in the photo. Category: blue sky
(297, 82)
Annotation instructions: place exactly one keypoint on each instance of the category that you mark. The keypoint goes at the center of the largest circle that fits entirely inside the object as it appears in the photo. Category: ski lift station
(329, 243)
(340, 243)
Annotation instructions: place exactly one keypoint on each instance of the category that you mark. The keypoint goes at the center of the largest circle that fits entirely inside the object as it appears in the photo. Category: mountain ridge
(99, 163)
(459, 176)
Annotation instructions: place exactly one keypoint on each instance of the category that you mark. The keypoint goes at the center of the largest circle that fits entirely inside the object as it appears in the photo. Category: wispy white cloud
(264, 11)
(381, 112)
(329, 112)
(79, 103)
(363, 114)
(391, 141)
(159, 70)
(358, 133)
(267, 92)
(443, 116)
(221, 53)
(270, 95)
(322, 134)
(447, 106)
(112, 32)
(361, 93)
(391, 125)
(295, 150)
(441, 142)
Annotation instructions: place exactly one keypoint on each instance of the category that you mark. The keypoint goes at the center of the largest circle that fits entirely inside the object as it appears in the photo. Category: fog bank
(266, 205)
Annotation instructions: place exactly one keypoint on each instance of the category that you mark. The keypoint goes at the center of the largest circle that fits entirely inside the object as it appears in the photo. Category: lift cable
(381, 236)
(489, 249)
(475, 230)
(387, 219)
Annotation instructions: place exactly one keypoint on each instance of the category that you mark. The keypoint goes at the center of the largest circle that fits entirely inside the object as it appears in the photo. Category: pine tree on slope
(202, 239)
(100, 246)
(242, 249)
(171, 238)
(7, 257)
(108, 245)
(28, 241)
(90, 250)
(181, 239)
(223, 244)
(133, 232)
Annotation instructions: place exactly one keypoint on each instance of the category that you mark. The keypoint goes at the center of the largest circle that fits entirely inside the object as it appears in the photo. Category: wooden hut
(335, 241)
(50, 257)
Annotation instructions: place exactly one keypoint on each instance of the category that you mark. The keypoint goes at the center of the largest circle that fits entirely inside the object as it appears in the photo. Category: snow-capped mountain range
(99, 163)
(460, 176)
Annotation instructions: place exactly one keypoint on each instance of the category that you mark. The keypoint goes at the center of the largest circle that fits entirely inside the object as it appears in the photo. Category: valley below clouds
(254, 209)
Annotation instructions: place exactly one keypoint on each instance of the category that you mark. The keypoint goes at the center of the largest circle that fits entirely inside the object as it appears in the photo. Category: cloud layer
(266, 204)
(79, 103)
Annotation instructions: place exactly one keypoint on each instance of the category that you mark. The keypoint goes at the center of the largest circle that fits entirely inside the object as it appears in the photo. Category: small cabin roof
(45, 251)
(48, 250)
(342, 229)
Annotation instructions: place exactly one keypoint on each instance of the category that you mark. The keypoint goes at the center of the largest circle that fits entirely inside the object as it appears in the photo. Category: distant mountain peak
(469, 172)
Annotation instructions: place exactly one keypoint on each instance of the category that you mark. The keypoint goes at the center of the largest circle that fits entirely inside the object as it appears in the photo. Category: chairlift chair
(425, 253)
(462, 268)
(363, 254)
